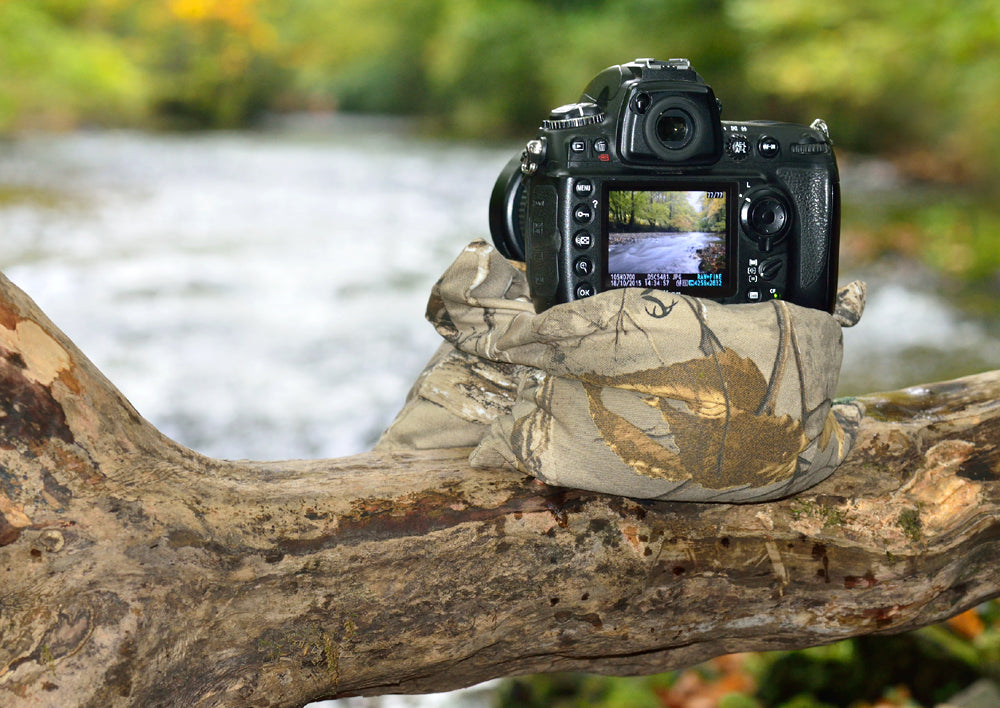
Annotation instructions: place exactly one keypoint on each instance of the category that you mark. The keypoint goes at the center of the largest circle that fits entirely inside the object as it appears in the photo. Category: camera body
(641, 184)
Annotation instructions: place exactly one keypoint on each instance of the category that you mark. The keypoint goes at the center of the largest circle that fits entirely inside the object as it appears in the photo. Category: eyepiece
(677, 130)
(674, 128)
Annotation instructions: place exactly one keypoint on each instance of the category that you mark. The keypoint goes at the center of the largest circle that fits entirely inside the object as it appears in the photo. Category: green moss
(809, 509)
(332, 656)
(909, 522)
(48, 659)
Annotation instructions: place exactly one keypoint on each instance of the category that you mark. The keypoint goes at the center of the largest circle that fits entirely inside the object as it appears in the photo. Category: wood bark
(137, 572)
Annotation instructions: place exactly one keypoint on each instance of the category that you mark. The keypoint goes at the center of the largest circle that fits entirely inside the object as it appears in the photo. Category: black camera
(641, 184)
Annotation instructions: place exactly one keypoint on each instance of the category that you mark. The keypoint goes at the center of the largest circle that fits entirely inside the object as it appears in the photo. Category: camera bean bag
(640, 393)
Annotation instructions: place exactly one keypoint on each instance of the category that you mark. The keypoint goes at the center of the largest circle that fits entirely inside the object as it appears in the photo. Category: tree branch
(137, 572)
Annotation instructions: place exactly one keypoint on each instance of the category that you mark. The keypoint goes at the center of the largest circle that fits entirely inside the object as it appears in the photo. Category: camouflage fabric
(641, 393)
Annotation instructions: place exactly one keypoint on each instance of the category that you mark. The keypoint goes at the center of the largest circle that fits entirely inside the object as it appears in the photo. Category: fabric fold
(640, 393)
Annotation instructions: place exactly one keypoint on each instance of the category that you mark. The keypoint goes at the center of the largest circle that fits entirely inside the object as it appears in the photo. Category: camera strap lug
(533, 156)
(820, 125)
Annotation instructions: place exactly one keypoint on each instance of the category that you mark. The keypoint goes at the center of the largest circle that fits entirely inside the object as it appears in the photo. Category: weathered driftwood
(137, 572)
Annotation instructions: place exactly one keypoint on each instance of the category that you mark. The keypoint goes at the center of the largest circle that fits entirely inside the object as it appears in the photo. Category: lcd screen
(670, 238)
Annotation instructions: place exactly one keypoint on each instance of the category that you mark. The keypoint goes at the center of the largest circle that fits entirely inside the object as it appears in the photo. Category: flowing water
(254, 295)
(261, 295)
(660, 253)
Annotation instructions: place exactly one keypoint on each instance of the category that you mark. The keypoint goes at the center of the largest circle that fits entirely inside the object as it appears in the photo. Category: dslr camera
(641, 184)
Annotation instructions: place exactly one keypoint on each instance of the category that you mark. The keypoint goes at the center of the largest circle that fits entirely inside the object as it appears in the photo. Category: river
(261, 294)
(660, 253)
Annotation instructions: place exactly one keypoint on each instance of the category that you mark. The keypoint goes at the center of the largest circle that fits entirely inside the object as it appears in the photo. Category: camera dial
(573, 115)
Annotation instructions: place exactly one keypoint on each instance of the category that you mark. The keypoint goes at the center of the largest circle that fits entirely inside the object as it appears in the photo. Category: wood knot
(937, 490)
(52, 540)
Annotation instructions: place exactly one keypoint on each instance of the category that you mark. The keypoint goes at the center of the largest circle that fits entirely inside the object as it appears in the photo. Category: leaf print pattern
(715, 424)
(641, 393)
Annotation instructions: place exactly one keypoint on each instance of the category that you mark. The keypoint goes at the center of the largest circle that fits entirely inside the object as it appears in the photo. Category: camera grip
(542, 245)
(816, 203)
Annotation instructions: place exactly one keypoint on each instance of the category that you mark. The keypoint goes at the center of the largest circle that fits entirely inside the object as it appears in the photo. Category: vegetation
(928, 667)
(712, 258)
(917, 82)
(917, 78)
(665, 212)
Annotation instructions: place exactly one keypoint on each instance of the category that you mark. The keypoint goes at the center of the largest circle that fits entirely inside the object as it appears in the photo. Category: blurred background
(237, 208)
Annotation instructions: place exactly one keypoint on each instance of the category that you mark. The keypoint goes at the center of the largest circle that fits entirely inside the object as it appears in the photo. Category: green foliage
(923, 668)
(476, 67)
(664, 212)
(953, 231)
(356, 55)
(498, 66)
(863, 670)
(891, 76)
(917, 82)
(582, 691)
(52, 72)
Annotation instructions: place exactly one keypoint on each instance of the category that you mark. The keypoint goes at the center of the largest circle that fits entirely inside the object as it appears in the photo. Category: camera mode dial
(574, 115)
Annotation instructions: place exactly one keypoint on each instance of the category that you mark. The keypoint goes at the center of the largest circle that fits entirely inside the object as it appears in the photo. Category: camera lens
(674, 128)
(508, 210)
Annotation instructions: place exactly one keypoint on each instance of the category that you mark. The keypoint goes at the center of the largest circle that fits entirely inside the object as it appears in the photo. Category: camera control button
(584, 290)
(768, 146)
(807, 148)
(583, 188)
(583, 240)
(578, 145)
(641, 103)
(601, 145)
(738, 147)
(766, 216)
(583, 266)
(583, 214)
(771, 268)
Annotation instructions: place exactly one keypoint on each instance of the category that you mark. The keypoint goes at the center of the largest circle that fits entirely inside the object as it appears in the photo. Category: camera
(641, 184)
